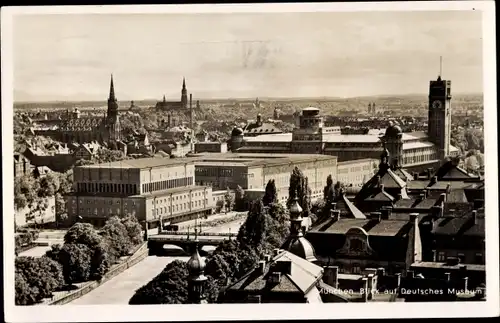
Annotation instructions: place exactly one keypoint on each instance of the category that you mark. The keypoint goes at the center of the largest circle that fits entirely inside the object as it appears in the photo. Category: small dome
(196, 265)
(301, 247)
(295, 207)
(393, 130)
(236, 132)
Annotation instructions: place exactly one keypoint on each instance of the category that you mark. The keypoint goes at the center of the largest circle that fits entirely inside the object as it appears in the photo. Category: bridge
(184, 240)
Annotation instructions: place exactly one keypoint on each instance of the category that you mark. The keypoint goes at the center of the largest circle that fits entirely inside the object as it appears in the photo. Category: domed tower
(393, 142)
(236, 139)
(296, 242)
(197, 280)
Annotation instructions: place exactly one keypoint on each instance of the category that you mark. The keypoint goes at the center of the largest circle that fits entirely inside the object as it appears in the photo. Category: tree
(116, 235)
(271, 194)
(48, 186)
(239, 199)
(329, 191)
(134, 229)
(228, 199)
(37, 276)
(76, 261)
(169, 287)
(84, 233)
(252, 231)
(299, 187)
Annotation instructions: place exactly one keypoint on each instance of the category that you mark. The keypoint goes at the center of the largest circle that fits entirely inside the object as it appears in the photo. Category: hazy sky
(71, 57)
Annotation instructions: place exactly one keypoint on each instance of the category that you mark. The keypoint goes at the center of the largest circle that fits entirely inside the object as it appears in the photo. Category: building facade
(152, 189)
(414, 150)
(253, 171)
(175, 105)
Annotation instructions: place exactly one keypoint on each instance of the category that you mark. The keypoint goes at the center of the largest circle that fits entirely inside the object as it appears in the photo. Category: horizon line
(250, 98)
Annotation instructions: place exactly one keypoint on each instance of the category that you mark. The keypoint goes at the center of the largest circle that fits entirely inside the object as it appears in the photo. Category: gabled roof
(403, 174)
(460, 226)
(391, 180)
(452, 172)
(346, 207)
(382, 195)
(303, 276)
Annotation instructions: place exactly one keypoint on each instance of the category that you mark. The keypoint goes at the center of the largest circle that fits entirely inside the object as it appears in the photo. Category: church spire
(112, 90)
(184, 83)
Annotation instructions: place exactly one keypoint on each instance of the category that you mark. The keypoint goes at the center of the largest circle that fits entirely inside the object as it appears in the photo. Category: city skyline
(244, 55)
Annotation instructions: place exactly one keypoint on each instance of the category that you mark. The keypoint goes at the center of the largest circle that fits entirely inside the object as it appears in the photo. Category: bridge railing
(207, 234)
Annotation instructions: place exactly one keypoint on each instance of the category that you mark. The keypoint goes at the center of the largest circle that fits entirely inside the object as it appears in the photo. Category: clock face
(436, 104)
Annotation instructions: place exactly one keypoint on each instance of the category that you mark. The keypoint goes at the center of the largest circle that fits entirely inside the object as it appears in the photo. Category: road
(120, 289)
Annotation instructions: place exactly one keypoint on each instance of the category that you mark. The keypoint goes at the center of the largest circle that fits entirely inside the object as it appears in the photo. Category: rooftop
(443, 265)
(373, 228)
(142, 163)
(255, 159)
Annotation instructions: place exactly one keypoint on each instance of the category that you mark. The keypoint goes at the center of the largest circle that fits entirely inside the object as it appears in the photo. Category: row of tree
(87, 254)
(265, 228)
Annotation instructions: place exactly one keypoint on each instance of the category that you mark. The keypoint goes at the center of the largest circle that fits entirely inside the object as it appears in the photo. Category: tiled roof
(303, 276)
(417, 184)
(347, 208)
(460, 226)
(391, 180)
(372, 227)
(381, 196)
(451, 171)
(142, 163)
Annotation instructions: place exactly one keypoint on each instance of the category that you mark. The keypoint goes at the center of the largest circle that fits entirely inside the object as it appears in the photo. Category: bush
(36, 279)
(117, 239)
(76, 262)
(134, 229)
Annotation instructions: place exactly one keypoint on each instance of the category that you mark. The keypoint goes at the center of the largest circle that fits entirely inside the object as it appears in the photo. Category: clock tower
(439, 123)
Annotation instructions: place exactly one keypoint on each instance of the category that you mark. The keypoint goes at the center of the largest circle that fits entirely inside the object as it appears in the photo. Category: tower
(197, 279)
(112, 119)
(296, 243)
(439, 124)
(112, 102)
(393, 143)
(191, 124)
(184, 98)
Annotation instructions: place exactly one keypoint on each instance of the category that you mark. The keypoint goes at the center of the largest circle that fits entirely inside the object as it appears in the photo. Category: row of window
(167, 184)
(478, 257)
(431, 155)
(214, 172)
(179, 207)
(103, 202)
(107, 188)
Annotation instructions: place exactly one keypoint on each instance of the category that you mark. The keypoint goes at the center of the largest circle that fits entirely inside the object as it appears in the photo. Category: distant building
(413, 150)
(210, 147)
(259, 127)
(175, 105)
(105, 129)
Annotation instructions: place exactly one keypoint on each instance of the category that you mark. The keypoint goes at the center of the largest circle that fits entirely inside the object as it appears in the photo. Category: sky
(244, 55)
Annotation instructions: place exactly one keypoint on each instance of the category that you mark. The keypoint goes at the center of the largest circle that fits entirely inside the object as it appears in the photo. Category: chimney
(267, 258)
(478, 203)
(381, 187)
(436, 211)
(421, 197)
(434, 180)
(370, 286)
(376, 216)
(364, 293)
(377, 180)
(413, 217)
(262, 267)
(330, 276)
(398, 279)
(274, 278)
(386, 213)
(452, 261)
(333, 205)
(335, 214)
(474, 216)
(380, 271)
(415, 175)
(447, 276)
(465, 283)
(410, 274)
(448, 188)
(429, 173)
(276, 252)
(169, 120)
(442, 198)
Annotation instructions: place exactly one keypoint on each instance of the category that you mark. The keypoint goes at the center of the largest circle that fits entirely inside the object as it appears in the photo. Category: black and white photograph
(208, 159)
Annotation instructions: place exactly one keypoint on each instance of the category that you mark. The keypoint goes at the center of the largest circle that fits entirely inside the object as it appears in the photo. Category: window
(461, 256)
(356, 269)
(441, 256)
(479, 258)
